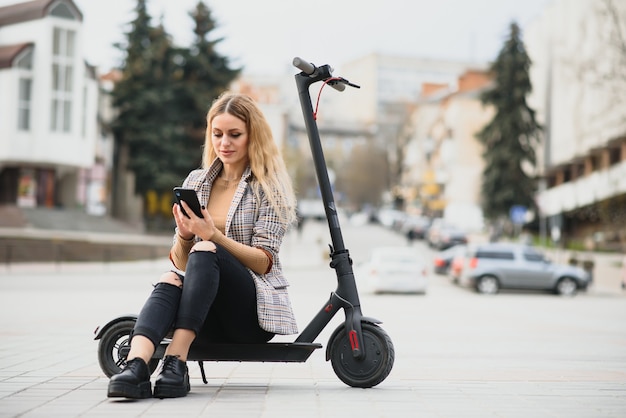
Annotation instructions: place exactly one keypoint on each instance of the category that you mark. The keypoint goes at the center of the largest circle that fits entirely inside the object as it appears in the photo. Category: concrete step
(75, 220)
(11, 216)
(33, 250)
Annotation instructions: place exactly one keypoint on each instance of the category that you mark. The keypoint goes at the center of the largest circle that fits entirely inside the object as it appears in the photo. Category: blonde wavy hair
(265, 159)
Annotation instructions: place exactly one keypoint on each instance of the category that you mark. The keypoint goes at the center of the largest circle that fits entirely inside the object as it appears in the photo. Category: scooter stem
(340, 257)
(304, 82)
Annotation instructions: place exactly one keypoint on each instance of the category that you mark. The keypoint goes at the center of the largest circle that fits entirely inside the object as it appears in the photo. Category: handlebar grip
(338, 86)
(306, 67)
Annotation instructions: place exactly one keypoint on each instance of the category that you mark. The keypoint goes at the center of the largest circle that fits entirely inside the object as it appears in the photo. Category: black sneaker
(132, 382)
(173, 381)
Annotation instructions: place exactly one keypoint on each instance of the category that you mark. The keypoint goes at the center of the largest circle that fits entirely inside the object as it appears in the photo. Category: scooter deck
(266, 352)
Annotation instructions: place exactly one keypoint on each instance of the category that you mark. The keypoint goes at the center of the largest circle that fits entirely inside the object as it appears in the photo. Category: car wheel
(488, 285)
(566, 287)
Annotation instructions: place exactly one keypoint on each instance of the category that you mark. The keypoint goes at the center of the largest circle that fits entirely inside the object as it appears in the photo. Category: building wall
(569, 48)
(466, 117)
(69, 162)
(386, 79)
(445, 161)
(40, 145)
(579, 93)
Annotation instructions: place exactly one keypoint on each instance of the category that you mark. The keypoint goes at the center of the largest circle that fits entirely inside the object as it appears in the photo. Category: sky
(263, 36)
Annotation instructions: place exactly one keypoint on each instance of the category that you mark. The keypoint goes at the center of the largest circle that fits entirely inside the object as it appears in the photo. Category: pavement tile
(454, 356)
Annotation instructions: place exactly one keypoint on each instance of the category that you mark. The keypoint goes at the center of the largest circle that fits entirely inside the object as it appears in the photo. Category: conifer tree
(512, 135)
(162, 100)
(206, 73)
(143, 97)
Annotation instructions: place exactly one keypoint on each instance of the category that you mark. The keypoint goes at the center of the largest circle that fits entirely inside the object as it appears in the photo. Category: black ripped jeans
(217, 302)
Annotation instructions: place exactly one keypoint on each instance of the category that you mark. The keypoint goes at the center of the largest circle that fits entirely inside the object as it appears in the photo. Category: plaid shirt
(254, 223)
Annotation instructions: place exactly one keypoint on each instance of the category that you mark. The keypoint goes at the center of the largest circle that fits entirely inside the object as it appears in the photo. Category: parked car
(449, 236)
(432, 235)
(415, 227)
(393, 270)
(494, 266)
(456, 265)
(443, 259)
(390, 218)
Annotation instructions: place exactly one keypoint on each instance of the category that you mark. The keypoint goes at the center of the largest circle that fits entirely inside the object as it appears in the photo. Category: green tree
(144, 97)
(162, 100)
(511, 136)
(206, 74)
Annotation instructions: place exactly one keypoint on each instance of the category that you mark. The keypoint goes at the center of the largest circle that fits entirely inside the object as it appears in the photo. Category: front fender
(101, 330)
(340, 328)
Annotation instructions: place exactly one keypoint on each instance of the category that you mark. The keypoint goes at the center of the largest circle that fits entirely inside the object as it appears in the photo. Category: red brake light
(438, 262)
(457, 265)
(473, 262)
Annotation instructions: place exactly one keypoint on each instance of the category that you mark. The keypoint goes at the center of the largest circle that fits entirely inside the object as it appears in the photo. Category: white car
(393, 270)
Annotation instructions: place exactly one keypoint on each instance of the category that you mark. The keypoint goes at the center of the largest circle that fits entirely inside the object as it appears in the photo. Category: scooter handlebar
(306, 67)
(309, 68)
(338, 86)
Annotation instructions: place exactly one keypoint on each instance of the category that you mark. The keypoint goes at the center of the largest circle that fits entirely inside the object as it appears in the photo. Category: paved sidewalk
(458, 354)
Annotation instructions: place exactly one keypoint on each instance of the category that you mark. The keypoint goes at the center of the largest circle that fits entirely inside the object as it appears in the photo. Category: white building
(579, 93)
(443, 170)
(381, 110)
(387, 81)
(52, 149)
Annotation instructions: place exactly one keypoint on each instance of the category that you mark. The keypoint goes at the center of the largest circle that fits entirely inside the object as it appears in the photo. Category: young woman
(228, 285)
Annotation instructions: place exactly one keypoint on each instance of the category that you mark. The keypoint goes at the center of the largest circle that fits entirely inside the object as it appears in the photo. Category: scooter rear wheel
(111, 353)
(368, 371)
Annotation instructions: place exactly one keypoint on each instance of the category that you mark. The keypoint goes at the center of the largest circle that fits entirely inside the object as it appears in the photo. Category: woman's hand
(194, 225)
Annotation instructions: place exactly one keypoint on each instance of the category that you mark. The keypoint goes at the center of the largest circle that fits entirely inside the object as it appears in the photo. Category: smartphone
(191, 199)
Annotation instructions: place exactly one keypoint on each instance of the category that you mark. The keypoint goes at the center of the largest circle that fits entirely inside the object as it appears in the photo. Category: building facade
(579, 92)
(54, 150)
(383, 114)
(444, 166)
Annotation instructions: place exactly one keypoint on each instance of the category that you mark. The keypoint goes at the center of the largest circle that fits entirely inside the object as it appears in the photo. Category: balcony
(584, 191)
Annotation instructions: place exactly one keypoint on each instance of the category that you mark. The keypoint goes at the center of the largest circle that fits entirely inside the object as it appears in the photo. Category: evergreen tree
(162, 100)
(143, 98)
(511, 136)
(206, 73)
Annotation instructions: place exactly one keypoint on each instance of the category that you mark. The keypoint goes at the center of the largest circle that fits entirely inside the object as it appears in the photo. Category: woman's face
(230, 139)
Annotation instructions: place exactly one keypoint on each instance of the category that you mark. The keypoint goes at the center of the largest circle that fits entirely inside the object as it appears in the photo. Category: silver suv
(494, 266)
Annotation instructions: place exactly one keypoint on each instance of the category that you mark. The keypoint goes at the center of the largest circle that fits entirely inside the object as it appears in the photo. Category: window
(61, 10)
(63, 42)
(25, 61)
(495, 255)
(24, 65)
(83, 129)
(23, 104)
(533, 256)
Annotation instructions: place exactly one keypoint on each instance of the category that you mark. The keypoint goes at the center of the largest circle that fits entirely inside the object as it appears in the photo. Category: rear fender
(99, 331)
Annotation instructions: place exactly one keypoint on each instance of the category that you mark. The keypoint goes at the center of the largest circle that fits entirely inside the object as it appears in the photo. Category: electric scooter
(360, 351)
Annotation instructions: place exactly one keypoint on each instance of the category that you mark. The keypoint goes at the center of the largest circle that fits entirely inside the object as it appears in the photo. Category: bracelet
(185, 240)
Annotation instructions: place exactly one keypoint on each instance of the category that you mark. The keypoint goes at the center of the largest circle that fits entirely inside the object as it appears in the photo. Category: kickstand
(202, 372)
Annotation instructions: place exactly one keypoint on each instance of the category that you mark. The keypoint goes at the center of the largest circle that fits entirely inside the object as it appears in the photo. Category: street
(457, 353)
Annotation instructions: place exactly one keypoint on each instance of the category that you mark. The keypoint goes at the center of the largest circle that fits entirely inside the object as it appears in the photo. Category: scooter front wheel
(369, 370)
(113, 348)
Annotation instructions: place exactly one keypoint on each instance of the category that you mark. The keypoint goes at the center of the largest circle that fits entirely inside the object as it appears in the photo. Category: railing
(595, 187)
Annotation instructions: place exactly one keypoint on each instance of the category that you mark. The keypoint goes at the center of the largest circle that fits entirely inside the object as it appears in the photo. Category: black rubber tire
(488, 285)
(113, 340)
(368, 371)
(566, 287)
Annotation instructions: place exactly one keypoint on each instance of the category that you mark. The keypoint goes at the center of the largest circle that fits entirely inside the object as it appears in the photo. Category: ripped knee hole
(203, 246)
(171, 278)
